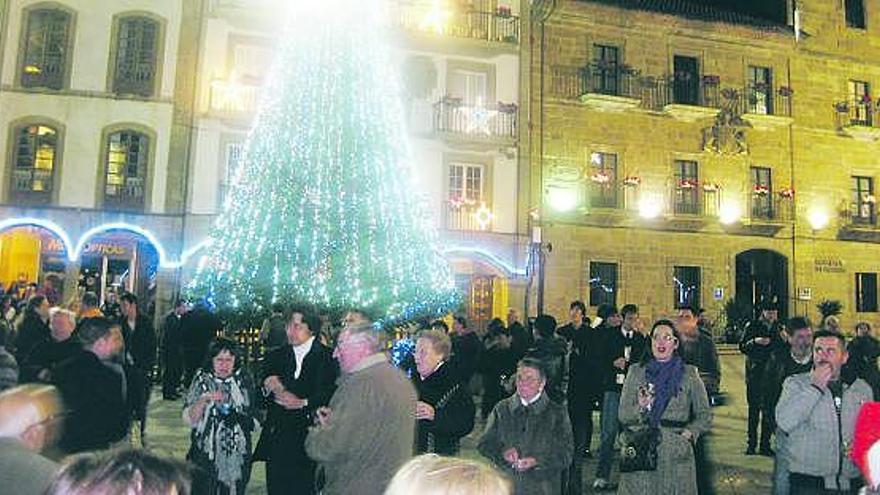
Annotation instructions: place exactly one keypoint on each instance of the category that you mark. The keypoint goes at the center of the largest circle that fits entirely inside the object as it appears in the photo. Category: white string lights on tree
(323, 209)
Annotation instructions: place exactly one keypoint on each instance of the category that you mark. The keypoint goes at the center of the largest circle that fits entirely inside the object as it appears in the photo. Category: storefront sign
(90, 249)
(828, 265)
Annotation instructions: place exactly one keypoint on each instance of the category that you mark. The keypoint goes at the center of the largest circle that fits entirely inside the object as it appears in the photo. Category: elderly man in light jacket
(817, 411)
(368, 430)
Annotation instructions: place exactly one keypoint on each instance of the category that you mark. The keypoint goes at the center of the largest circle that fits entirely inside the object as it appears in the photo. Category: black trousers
(758, 414)
(581, 405)
(171, 375)
(284, 476)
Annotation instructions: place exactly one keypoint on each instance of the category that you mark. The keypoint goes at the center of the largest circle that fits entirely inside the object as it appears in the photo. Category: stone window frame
(57, 166)
(103, 161)
(488, 165)
(701, 272)
(861, 305)
(159, 57)
(27, 11)
(618, 175)
(589, 275)
(852, 8)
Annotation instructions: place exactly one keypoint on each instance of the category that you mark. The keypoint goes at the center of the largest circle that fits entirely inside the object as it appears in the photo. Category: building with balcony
(95, 126)
(460, 67)
(686, 154)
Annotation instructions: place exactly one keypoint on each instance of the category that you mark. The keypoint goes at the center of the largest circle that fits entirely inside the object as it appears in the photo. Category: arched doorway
(762, 275)
(33, 260)
(114, 261)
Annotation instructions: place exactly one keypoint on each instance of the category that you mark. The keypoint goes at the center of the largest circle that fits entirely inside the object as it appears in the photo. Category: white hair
(57, 311)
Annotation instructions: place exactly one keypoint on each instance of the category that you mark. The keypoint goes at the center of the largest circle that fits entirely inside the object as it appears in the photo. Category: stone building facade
(690, 155)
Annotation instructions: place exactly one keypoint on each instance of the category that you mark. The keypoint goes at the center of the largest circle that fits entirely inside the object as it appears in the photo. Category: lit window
(45, 49)
(36, 148)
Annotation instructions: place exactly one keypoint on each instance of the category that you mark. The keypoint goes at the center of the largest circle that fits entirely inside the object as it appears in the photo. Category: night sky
(767, 9)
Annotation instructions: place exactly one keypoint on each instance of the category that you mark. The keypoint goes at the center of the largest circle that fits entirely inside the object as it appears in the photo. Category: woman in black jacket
(445, 410)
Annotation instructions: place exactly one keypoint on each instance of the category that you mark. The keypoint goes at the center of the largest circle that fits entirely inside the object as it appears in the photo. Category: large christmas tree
(324, 209)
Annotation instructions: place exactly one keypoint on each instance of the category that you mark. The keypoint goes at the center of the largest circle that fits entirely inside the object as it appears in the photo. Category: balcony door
(470, 86)
(686, 80)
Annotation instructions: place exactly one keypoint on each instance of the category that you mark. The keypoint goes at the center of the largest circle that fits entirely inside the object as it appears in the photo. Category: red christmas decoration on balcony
(632, 181)
(688, 184)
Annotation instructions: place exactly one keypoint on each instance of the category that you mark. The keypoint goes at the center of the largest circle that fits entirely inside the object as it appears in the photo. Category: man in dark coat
(33, 328)
(760, 340)
(172, 351)
(624, 345)
(551, 351)
(93, 387)
(521, 339)
(40, 364)
(466, 350)
(584, 384)
(298, 379)
(199, 327)
(140, 346)
(698, 349)
(793, 357)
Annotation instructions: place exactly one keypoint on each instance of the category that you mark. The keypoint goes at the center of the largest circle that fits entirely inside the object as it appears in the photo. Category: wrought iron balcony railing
(861, 214)
(609, 79)
(770, 207)
(500, 26)
(451, 115)
(761, 99)
(856, 113)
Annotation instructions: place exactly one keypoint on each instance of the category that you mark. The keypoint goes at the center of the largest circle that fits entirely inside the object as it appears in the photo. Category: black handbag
(639, 450)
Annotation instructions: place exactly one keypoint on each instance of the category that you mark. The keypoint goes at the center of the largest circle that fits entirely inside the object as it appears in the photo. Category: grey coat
(676, 473)
(542, 431)
(23, 472)
(808, 417)
(371, 431)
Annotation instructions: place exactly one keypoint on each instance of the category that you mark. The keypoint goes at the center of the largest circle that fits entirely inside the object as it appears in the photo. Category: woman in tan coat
(662, 391)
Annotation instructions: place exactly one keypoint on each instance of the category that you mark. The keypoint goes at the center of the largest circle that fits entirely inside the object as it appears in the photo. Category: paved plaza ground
(735, 473)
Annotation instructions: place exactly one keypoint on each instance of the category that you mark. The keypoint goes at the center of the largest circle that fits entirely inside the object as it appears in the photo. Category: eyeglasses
(664, 338)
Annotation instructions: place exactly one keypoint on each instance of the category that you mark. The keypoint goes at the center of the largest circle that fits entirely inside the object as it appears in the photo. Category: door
(686, 80)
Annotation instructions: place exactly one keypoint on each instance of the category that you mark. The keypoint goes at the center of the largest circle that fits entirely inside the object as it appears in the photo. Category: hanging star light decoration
(478, 118)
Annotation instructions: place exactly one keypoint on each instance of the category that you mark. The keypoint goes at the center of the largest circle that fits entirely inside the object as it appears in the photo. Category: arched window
(46, 45)
(135, 66)
(126, 178)
(34, 162)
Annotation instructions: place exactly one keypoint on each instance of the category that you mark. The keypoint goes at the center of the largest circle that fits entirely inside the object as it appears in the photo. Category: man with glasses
(817, 411)
(368, 430)
(28, 427)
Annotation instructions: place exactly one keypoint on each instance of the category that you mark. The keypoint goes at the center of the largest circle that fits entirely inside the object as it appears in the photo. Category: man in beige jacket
(367, 432)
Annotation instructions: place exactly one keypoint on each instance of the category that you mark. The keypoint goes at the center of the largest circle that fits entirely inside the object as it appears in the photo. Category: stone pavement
(736, 474)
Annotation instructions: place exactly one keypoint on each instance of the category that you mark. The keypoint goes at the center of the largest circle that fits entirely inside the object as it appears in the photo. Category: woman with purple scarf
(663, 392)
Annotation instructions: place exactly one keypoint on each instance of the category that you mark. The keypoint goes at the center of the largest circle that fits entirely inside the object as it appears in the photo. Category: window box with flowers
(761, 190)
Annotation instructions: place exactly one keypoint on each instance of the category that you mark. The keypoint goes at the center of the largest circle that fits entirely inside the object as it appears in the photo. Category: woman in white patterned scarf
(219, 408)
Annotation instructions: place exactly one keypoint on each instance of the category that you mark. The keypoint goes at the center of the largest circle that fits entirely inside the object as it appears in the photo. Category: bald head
(29, 415)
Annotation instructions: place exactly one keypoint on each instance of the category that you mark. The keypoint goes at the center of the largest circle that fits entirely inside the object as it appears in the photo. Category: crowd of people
(334, 415)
